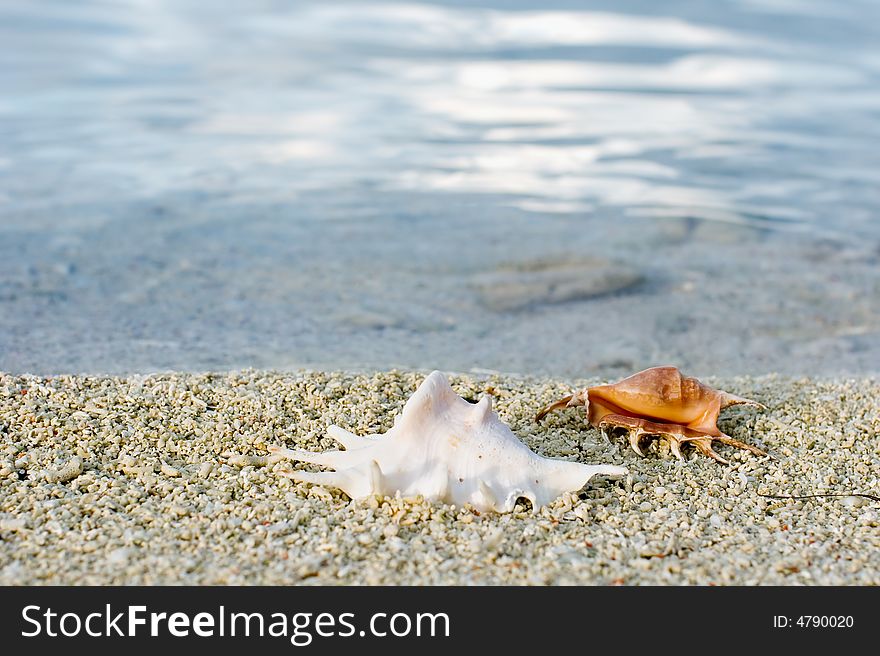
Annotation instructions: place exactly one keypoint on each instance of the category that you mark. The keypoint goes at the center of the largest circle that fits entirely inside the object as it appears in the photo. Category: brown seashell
(659, 402)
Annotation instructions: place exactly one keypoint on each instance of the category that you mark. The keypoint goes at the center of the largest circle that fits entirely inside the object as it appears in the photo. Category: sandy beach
(163, 479)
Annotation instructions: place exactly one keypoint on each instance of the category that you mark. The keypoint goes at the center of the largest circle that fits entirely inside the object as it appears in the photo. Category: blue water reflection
(409, 184)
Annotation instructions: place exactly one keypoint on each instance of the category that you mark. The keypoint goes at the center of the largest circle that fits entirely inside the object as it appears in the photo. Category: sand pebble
(13, 524)
(248, 461)
(68, 472)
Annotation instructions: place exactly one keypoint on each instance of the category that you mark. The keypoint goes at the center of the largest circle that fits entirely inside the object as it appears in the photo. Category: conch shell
(659, 402)
(446, 449)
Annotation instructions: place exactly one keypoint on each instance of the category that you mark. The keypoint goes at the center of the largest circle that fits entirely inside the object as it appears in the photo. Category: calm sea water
(561, 188)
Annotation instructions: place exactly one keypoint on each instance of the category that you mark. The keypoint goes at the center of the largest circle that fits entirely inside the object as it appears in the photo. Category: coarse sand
(163, 479)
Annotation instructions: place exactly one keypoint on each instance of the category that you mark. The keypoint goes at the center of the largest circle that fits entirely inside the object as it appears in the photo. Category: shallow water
(524, 187)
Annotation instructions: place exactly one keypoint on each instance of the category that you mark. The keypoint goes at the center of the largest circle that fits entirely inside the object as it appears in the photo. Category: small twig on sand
(812, 496)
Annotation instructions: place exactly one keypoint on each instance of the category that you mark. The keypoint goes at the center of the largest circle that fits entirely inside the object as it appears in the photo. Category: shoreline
(162, 479)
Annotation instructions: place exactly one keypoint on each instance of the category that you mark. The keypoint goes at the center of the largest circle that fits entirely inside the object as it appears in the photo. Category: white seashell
(448, 450)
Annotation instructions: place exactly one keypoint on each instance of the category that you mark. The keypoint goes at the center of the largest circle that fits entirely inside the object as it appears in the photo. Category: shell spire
(446, 449)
